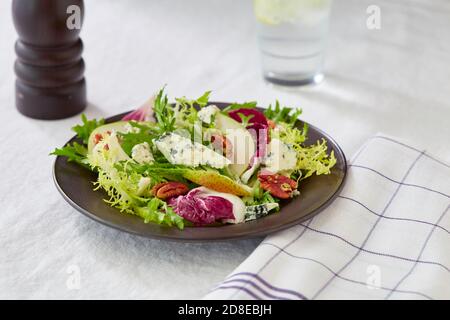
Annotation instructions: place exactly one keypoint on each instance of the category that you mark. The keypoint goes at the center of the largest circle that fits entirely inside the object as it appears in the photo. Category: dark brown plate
(317, 192)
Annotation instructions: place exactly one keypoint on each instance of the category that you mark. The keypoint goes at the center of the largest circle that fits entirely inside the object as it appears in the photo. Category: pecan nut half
(278, 185)
(166, 190)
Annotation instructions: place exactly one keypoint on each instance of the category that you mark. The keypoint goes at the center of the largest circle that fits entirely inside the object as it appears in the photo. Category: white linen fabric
(386, 236)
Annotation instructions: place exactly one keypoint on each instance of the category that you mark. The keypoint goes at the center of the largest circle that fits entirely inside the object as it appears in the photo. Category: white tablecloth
(395, 80)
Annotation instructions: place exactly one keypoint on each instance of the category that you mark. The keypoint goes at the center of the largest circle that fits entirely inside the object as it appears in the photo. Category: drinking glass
(292, 37)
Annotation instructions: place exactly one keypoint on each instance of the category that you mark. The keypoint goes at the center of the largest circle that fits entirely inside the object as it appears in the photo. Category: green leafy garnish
(245, 120)
(259, 196)
(244, 105)
(201, 101)
(74, 152)
(159, 171)
(282, 114)
(164, 113)
(291, 135)
(314, 159)
(186, 110)
(123, 191)
(130, 139)
(159, 212)
(85, 129)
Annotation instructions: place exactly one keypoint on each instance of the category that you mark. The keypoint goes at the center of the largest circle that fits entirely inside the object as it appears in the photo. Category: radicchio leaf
(143, 113)
(202, 209)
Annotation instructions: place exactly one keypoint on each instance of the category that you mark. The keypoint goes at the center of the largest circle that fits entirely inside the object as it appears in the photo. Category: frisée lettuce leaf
(311, 159)
(122, 189)
(77, 152)
(73, 152)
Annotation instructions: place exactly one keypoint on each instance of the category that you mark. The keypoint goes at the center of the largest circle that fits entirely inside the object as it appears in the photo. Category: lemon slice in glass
(274, 12)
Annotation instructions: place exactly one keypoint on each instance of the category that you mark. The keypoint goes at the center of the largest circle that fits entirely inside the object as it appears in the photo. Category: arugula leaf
(158, 172)
(129, 139)
(161, 171)
(282, 114)
(158, 211)
(74, 152)
(203, 100)
(245, 120)
(84, 130)
(244, 105)
(164, 113)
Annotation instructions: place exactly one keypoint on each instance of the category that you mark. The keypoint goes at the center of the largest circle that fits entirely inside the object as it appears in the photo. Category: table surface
(395, 80)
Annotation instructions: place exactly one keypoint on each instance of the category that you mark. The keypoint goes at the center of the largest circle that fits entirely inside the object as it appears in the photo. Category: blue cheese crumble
(181, 150)
(141, 153)
(207, 114)
(281, 157)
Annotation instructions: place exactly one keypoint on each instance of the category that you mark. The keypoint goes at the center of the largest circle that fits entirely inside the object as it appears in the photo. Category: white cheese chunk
(130, 129)
(206, 114)
(141, 153)
(181, 150)
(280, 156)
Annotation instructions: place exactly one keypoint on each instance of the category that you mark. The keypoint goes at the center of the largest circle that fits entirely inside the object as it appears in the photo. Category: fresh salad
(191, 163)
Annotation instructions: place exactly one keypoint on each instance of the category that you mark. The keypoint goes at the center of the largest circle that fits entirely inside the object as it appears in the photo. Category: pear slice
(107, 152)
(243, 145)
(118, 126)
(217, 182)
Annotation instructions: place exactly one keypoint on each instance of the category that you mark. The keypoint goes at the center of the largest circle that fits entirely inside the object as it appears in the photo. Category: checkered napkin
(386, 236)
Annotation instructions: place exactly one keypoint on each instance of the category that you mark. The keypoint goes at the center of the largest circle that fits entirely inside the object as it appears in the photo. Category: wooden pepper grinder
(49, 68)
